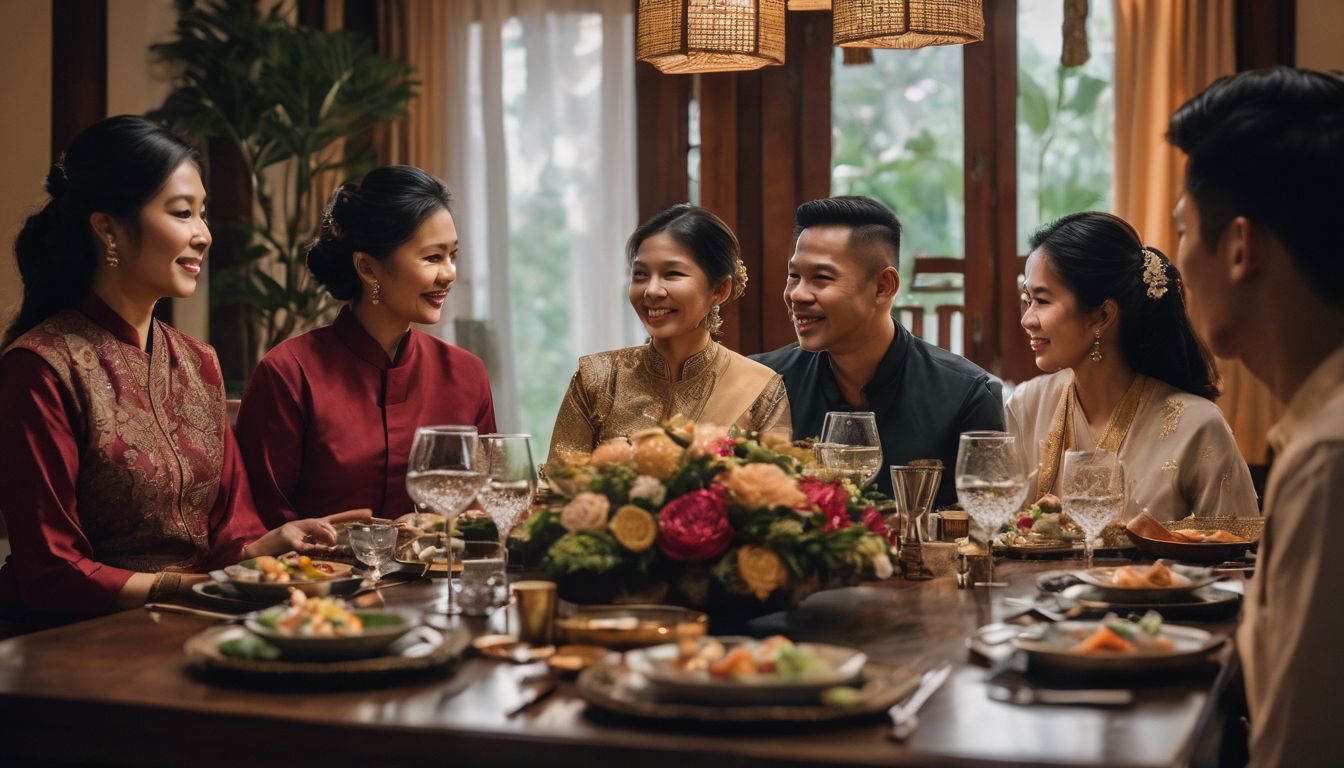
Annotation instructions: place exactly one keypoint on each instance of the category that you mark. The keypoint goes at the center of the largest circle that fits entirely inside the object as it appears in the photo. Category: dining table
(119, 690)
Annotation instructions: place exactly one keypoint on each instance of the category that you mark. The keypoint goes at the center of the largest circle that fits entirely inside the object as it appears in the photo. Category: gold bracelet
(166, 585)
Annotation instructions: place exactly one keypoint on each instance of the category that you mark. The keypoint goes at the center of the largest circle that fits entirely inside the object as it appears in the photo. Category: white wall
(1320, 34)
(25, 133)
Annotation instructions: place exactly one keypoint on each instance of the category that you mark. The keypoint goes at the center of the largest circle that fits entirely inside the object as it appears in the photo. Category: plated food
(1158, 582)
(1114, 644)
(737, 670)
(268, 579)
(326, 627)
(1196, 539)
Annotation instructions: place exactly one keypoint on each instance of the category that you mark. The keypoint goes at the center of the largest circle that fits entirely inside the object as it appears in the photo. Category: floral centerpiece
(703, 516)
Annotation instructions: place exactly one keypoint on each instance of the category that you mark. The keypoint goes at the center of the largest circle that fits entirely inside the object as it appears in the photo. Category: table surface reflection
(117, 689)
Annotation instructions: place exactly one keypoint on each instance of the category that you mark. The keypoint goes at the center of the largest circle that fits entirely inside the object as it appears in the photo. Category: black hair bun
(56, 183)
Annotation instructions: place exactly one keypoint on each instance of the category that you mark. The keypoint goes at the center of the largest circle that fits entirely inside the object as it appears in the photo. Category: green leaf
(1032, 102)
(1086, 91)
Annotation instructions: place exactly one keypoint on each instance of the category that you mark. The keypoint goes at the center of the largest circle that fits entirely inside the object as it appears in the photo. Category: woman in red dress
(328, 417)
(120, 472)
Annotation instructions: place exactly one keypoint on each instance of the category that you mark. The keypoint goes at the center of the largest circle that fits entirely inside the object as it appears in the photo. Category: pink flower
(873, 519)
(830, 499)
(695, 526)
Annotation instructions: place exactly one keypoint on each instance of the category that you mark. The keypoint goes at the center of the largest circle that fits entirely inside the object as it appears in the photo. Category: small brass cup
(536, 611)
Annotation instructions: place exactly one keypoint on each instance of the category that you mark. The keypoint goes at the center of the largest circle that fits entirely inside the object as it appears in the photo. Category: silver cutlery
(532, 696)
(156, 608)
(904, 717)
(1102, 697)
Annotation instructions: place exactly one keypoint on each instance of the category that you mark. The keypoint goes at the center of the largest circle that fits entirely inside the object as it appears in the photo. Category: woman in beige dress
(1106, 320)
(684, 266)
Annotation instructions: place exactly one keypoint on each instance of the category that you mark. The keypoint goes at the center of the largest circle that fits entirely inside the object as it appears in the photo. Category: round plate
(1100, 579)
(422, 648)
(626, 626)
(381, 629)
(670, 683)
(618, 689)
(221, 594)
(244, 579)
(510, 648)
(1192, 648)
(1206, 603)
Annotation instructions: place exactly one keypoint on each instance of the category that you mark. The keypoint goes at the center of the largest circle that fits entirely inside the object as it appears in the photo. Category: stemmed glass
(444, 473)
(373, 545)
(991, 484)
(1092, 493)
(511, 480)
(850, 446)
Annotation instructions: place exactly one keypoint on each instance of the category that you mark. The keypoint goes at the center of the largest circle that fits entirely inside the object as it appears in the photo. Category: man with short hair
(852, 356)
(1262, 261)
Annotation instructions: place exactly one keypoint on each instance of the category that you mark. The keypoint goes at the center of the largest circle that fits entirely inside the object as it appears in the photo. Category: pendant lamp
(907, 23)
(687, 36)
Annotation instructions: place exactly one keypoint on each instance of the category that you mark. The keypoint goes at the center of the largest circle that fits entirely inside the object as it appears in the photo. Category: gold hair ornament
(1154, 274)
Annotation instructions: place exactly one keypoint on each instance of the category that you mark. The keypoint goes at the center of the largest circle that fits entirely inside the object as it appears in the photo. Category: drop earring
(1096, 347)
(112, 260)
(377, 293)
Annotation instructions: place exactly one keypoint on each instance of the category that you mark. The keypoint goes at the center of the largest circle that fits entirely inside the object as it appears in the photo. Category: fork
(904, 717)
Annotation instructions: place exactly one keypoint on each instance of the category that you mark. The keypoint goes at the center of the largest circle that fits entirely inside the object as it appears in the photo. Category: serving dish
(381, 629)
(245, 579)
(1101, 580)
(669, 682)
(627, 626)
(1050, 647)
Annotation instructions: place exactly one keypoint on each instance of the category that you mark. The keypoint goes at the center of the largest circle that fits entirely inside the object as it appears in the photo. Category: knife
(904, 719)
(1102, 697)
(530, 697)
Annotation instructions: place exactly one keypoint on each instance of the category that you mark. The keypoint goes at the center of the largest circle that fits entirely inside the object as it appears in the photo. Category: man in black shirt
(852, 356)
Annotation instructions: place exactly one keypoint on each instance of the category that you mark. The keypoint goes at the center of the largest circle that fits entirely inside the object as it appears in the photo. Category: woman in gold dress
(684, 265)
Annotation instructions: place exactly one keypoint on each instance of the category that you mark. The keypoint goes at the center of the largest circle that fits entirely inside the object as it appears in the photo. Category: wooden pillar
(663, 139)
(1266, 33)
(78, 68)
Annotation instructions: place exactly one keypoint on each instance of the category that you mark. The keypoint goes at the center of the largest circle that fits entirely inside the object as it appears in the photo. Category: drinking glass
(373, 545)
(511, 481)
(444, 473)
(991, 484)
(1092, 493)
(850, 446)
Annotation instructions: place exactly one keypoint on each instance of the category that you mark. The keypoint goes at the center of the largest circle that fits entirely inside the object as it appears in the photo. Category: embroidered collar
(99, 312)
(695, 365)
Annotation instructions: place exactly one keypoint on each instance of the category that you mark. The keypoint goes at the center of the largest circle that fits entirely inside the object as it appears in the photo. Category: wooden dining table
(118, 690)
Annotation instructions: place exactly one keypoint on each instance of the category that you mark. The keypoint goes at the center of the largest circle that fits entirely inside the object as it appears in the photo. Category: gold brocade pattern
(616, 393)
(1062, 429)
(152, 438)
(1172, 409)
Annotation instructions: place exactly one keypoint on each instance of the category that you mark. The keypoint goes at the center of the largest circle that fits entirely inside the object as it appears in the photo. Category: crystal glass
(511, 480)
(1092, 493)
(444, 473)
(373, 545)
(991, 485)
(849, 447)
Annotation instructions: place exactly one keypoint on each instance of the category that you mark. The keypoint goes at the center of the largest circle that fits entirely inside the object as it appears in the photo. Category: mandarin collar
(352, 334)
(99, 312)
(694, 366)
(887, 371)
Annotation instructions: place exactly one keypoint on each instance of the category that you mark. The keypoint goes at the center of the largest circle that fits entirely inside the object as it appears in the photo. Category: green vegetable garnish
(249, 647)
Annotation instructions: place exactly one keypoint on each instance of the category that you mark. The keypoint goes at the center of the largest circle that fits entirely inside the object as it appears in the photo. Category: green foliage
(583, 552)
(296, 103)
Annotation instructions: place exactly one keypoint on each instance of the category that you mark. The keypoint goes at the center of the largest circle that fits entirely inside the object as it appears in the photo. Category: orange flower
(613, 452)
(656, 454)
(634, 528)
(761, 570)
(763, 486)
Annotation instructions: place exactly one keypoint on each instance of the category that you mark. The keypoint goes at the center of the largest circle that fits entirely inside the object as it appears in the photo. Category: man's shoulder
(941, 365)
(785, 359)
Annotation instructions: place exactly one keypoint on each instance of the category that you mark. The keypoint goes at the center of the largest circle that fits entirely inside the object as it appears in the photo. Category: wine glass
(991, 484)
(444, 472)
(850, 446)
(373, 545)
(511, 480)
(1092, 493)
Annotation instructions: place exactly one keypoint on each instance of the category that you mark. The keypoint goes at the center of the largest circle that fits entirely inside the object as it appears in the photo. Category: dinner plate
(222, 594)
(1207, 603)
(1100, 579)
(626, 626)
(672, 684)
(620, 690)
(422, 648)
(381, 629)
(1048, 647)
(246, 580)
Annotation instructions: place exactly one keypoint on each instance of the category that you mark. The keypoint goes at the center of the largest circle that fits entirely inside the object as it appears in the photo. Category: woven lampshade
(686, 36)
(809, 5)
(907, 23)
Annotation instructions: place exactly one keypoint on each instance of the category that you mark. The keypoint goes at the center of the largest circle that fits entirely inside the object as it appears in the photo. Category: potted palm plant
(298, 105)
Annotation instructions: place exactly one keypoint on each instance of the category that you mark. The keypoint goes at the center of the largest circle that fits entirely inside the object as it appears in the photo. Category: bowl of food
(1196, 539)
(327, 628)
(1157, 582)
(1115, 645)
(269, 579)
(743, 671)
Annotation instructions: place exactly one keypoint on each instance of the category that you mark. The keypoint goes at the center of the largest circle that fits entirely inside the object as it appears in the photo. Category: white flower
(650, 489)
(882, 566)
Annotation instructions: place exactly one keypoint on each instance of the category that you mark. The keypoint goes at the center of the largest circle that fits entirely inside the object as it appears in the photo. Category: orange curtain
(1165, 53)
(413, 31)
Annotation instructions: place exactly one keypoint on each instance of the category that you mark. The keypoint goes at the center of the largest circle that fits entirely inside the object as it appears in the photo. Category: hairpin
(1154, 274)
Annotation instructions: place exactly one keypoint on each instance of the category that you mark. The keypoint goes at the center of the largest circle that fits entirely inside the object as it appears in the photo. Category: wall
(1320, 30)
(25, 98)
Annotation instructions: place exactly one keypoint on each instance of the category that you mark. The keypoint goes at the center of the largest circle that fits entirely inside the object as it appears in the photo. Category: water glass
(373, 545)
(1092, 493)
(444, 472)
(991, 484)
(850, 446)
(511, 480)
(484, 583)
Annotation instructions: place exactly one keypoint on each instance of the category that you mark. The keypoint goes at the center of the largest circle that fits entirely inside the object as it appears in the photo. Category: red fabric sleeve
(51, 569)
(485, 422)
(270, 438)
(233, 519)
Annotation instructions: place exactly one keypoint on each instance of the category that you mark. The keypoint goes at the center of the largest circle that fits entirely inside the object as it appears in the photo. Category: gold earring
(713, 321)
(377, 292)
(1096, 347)
(112, 260)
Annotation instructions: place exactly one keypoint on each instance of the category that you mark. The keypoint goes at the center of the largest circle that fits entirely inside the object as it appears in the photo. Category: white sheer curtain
(541, 158)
